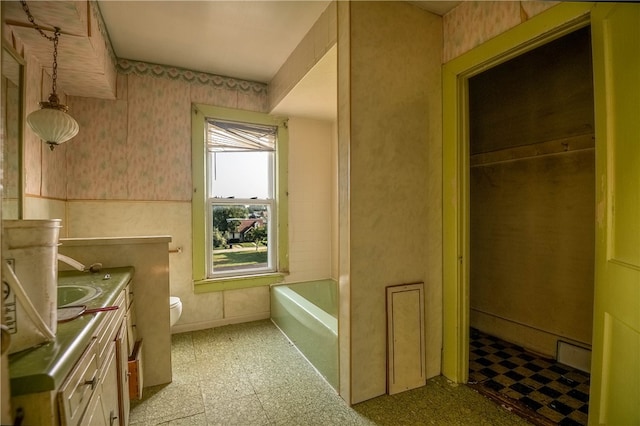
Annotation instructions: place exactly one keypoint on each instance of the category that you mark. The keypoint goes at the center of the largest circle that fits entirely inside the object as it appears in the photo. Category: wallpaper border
(128, 66)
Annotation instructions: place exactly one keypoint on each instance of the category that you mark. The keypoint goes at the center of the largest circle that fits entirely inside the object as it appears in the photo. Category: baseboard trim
(203, 325)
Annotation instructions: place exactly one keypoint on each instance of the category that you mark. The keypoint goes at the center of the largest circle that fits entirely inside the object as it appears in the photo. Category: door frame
(551, 24)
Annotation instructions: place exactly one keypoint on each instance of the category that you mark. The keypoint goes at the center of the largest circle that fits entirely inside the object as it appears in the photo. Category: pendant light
(51, 122)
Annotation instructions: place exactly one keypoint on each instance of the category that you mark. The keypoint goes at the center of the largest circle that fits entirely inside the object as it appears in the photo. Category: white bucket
(29, 275)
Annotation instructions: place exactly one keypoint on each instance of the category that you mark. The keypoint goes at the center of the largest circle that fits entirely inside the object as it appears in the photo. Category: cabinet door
(94, 415)
(122, 361)
(131, 328)
(103, 406)
(111, 406)
(105, 411)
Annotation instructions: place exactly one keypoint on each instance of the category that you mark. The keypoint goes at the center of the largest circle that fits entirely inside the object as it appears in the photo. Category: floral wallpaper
(32, 144)
(138, 147)
(86, 62)
(474, 22)
(10, 136)
(158, 139)
(97, 158)
(134, 141)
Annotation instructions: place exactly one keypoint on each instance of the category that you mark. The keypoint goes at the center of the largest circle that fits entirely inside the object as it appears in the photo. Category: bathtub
(307, 313)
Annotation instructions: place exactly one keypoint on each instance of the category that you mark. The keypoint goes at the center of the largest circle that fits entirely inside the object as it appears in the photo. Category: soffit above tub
(316, 94)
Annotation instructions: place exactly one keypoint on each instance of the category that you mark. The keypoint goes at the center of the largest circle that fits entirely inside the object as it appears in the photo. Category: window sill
(234, 283)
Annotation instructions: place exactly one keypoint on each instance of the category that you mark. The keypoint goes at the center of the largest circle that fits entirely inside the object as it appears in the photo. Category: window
(242, 208)
(239, 204)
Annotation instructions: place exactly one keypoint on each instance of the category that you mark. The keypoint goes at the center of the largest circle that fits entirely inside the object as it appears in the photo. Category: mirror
(12, 109)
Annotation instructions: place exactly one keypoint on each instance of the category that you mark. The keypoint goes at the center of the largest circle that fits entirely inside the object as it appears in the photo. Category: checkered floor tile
(558, 393)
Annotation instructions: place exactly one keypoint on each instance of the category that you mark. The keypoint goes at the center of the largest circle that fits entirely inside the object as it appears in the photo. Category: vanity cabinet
(94, 395)
(95, 390)
(110, 404)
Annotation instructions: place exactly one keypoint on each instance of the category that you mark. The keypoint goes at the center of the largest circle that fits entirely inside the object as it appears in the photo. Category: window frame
(200, 206)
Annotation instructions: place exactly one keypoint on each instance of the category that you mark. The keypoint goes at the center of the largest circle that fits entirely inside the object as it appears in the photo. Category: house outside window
(239, 205)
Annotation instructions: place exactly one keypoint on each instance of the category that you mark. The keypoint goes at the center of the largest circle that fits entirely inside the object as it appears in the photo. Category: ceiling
(248, 40)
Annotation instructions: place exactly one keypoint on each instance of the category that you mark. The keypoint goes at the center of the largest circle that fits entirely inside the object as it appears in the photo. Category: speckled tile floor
(249, 374)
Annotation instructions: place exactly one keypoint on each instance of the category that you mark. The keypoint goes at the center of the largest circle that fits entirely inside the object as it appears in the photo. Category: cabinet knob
(112, 418)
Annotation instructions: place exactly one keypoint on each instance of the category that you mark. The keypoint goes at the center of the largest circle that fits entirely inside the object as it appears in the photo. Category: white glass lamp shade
(53, 125)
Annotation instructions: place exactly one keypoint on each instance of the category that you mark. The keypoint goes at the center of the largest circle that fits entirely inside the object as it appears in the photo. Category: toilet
(175, 309)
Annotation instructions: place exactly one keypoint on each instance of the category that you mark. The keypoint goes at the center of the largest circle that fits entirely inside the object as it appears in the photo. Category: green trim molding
(543, 28)
(202, 284)
(235, 283)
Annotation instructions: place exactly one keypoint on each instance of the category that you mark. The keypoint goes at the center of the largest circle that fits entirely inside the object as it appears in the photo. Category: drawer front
(122, 360)
(76, 391)
(128, 294)
(132, 335)
(110, 323)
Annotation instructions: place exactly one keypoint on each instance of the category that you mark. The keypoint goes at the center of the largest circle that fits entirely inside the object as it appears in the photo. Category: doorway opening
(531, 168)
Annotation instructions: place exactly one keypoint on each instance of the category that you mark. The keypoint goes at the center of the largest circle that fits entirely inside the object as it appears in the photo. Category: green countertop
(44, 368)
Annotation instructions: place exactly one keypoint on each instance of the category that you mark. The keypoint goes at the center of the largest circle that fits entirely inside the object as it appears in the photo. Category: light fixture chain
(33, 22)
(54, 39)
(54, 72)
